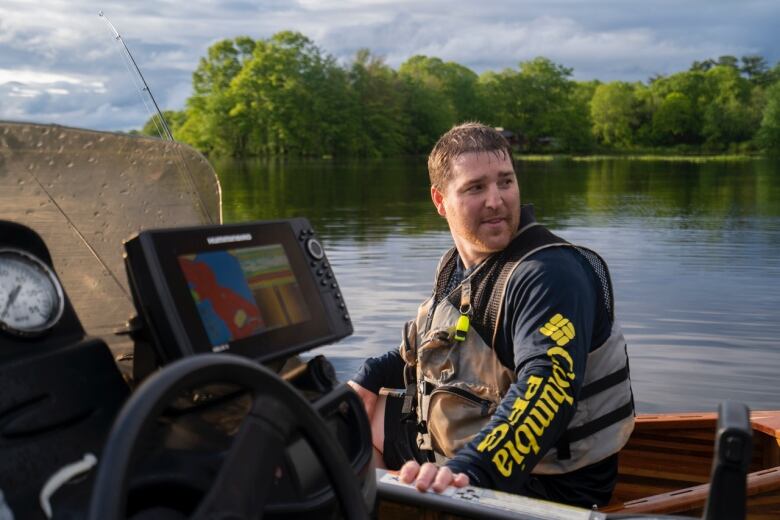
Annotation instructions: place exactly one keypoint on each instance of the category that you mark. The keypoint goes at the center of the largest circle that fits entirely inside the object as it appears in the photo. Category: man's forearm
(529, 421)
(368, 397)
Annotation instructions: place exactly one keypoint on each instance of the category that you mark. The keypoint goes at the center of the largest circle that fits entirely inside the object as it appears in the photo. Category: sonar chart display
(243, 292)
(261, 289)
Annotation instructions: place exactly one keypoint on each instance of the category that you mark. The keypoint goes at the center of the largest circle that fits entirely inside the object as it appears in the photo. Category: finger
(409, 472)
(460, 480)
(443, 479)
(425, 476)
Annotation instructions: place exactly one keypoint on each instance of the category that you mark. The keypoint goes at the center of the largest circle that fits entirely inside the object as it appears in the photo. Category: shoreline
(693, 158)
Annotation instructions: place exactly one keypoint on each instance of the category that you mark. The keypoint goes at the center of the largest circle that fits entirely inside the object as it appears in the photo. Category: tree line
(285, 96)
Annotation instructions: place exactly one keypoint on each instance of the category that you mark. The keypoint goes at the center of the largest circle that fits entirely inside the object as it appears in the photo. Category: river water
(693, 248)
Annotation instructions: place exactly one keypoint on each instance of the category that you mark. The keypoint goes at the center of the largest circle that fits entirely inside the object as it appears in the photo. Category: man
(516, 374)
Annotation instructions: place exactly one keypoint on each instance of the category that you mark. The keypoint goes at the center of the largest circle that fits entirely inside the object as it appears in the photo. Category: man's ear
(438, 200)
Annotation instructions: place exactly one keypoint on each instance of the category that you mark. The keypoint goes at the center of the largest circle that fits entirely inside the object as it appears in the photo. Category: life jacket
(454, 386)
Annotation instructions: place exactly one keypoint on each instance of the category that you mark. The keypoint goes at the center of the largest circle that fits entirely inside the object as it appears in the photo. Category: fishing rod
(163, 129)
(129, 60)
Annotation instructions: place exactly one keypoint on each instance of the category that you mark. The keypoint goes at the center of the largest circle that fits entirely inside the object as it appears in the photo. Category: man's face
(481, 203)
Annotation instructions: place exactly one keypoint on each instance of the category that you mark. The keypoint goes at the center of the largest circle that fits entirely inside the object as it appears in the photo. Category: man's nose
(493, 197)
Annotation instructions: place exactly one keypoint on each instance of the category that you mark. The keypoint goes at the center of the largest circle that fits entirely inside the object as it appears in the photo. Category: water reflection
(694, 251)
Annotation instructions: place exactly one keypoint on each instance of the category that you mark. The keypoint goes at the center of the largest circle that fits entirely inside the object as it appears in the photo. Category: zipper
(484, 404)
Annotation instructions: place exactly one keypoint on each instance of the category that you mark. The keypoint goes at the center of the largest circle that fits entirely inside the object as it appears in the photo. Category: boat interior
(154, 364)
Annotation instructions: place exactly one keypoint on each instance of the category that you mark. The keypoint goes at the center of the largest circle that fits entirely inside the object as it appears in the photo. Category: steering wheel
(241, 487)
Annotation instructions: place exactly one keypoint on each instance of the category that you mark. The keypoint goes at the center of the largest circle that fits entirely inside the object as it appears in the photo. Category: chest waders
(455, 381)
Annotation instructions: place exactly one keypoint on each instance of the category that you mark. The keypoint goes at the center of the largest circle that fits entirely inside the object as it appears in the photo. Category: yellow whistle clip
(462, 327)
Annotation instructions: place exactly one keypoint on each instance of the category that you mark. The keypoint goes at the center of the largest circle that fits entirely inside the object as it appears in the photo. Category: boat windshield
(86, 191)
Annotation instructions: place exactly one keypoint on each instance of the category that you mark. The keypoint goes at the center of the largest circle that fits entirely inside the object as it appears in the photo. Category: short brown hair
(460, 139)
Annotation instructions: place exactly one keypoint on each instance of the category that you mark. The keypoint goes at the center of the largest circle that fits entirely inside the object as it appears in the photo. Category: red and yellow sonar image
(243, 292)
(273, 285)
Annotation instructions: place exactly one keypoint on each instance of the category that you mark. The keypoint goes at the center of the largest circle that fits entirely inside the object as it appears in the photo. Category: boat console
(234, 300)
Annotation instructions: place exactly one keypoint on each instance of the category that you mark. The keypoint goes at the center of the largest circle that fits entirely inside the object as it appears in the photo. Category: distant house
(548, 143)
(515, 141)
(522, 143)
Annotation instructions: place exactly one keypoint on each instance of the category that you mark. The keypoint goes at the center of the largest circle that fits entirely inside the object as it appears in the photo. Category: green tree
(702, 66)
(769, 134)
(774, 74)
(428, 113)
(545, 108)
(539, 101)
(287, 98)
(208, 126)
(456, 82)
(580, 136)
(674, 121)
(645, 105)
(612, 110)
(428, 106)
(728, 61)
(756, 69)
(380, 124)
(284, 95)
(154, 127)
(498, 92)
(695, 87)
(460, 84)
(727, 118)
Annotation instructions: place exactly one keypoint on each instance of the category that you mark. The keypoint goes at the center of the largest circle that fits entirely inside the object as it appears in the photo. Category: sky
(59, 61)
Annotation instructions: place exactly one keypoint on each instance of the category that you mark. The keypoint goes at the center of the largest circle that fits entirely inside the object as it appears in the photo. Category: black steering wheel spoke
(245, 479)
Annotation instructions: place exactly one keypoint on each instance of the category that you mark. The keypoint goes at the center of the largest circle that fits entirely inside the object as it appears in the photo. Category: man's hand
(367, 396)
(430, 475)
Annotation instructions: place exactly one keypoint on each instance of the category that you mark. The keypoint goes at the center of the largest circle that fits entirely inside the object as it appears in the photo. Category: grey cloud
(608, 39)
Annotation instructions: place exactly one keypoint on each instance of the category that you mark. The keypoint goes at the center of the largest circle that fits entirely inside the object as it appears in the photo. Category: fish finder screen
(243, 292)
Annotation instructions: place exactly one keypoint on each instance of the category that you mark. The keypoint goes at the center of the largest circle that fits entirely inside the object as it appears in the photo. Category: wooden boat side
(666, 464)
(763, 489)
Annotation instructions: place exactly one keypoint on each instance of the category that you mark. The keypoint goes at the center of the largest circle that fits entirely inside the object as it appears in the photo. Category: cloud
(632, 53)
(41, 77)
(61, 63)
(22, 92)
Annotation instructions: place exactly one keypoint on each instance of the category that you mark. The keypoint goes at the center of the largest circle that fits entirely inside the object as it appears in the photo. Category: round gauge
(31, 297)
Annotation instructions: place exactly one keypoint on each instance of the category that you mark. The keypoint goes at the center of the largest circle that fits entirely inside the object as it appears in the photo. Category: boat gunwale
(688, 499)
(767, 422)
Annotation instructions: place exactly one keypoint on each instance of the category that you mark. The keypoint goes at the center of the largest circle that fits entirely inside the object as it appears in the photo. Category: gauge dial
(31, 297)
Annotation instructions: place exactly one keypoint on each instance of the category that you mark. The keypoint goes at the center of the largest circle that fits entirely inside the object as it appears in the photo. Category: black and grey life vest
(455, 385)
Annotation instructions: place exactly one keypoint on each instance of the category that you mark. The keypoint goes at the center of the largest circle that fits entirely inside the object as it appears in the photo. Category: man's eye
(474, 188)
(506, 182)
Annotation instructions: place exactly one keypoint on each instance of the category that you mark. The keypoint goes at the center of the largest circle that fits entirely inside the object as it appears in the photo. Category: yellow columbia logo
(559, 329)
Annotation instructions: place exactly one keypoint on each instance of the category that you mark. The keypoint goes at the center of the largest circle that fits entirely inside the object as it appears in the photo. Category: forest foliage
(285, 96)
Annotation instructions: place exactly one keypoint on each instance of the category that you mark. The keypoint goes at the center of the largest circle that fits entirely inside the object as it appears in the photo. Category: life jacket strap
(606, 382)
(589, 428)
(408, 410)
(606, 420)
